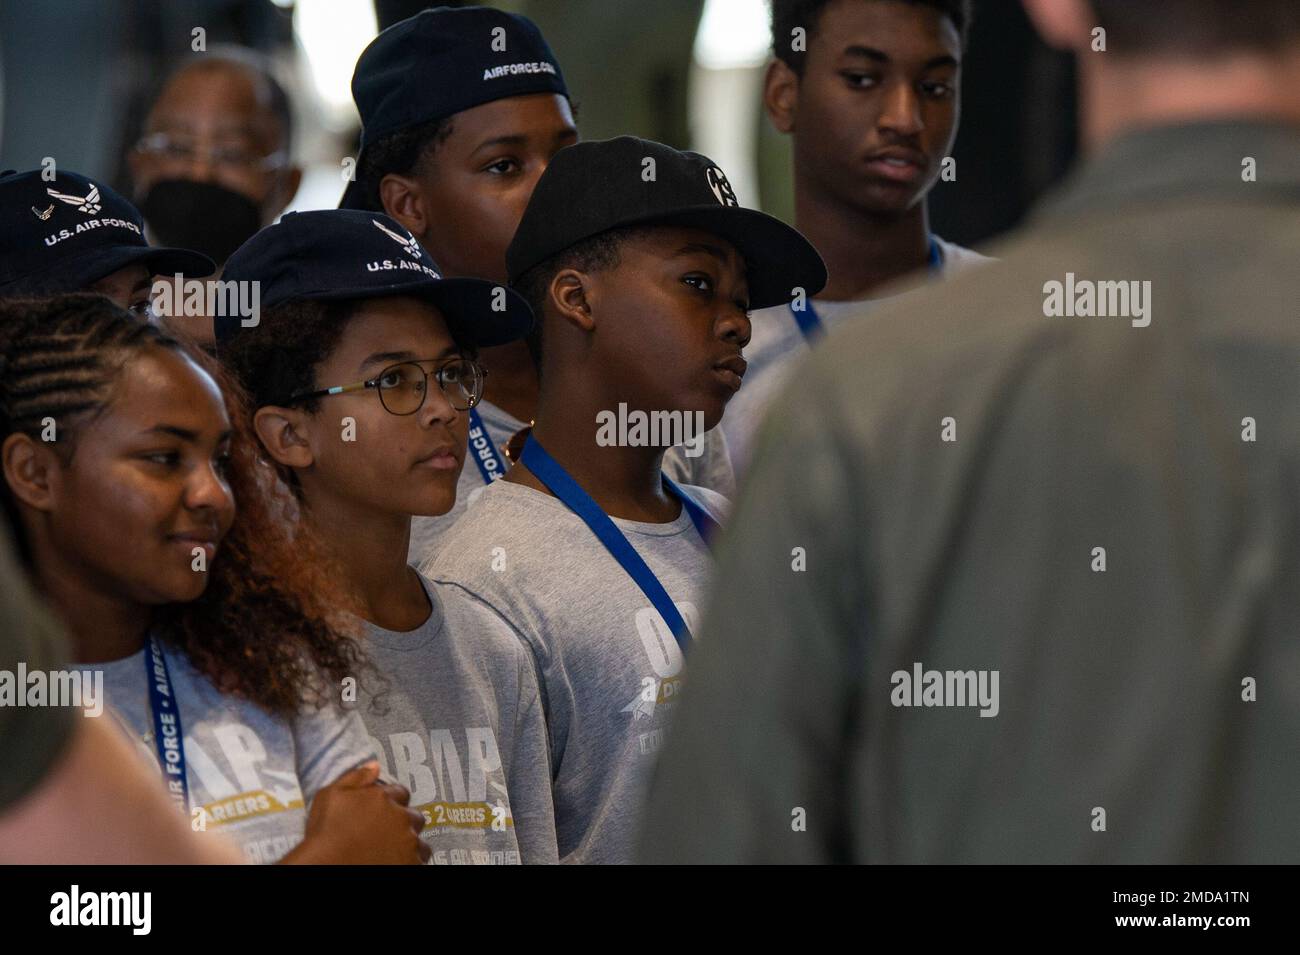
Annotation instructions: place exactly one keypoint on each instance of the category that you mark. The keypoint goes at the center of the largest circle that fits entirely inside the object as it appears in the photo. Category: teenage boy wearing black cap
(361, 372)
(642, 268)
(870, 93)
(72, 234)
(462, 109)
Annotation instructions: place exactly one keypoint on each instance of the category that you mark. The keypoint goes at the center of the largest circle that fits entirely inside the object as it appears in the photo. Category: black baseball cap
(596, 186)
(349, 254)
(442, 61)
(65, 233)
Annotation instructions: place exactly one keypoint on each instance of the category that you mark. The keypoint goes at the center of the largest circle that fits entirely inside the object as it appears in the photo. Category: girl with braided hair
(218, 635)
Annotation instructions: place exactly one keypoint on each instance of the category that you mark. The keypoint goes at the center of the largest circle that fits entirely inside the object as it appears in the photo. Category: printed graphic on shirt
(230, 784)
(457, 783)
(663, 684)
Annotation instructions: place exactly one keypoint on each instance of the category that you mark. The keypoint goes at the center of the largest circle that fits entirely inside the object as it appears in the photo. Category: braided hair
(270, 625)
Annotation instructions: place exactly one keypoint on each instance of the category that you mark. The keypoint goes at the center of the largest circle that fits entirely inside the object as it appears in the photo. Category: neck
(103, 626)
(863, 252)
(1129, 94)
(369, 548)
(626, 482)
(511, 383)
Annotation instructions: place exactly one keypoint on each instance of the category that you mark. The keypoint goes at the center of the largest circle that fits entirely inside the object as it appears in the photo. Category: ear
(569, 294)
(283, 432)
(781, 95)
(1064, 24)
(32, 471)
(403, 199)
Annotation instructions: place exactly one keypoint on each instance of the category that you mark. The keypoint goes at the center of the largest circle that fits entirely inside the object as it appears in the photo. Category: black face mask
(201, 216)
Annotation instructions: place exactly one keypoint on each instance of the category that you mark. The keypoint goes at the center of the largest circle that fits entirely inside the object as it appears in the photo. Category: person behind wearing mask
(69, 233)
(213, 165)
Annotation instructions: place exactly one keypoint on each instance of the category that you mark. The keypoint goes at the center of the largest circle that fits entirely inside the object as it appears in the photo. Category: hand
(360, 821)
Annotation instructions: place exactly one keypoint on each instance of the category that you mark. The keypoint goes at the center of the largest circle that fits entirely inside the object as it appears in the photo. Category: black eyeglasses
(402, 387)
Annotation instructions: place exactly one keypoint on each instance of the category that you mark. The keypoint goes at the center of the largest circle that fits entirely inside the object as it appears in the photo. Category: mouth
(443, 458)
(206, 540)
(730, 371)
(897, 164)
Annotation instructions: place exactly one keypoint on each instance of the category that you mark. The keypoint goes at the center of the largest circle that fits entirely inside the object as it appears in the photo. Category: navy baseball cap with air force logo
(351, 254)
(65, 233)
(596, 186)
(442, 61)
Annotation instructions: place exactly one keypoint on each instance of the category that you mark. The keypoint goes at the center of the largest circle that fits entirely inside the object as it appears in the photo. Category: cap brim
(778, 258)
(89, 269)
(469, 305)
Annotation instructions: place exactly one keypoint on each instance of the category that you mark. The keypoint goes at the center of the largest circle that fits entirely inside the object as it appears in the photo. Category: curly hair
(272, 626)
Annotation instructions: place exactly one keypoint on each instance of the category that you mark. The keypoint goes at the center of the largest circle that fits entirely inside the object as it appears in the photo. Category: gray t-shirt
(253, 774)
(461, 726)
(710, 469)
(609, 665)
(776, 341)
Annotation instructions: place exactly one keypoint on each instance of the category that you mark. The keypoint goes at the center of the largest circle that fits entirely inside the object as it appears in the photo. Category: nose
(207, 490)
(902, 111)
(734, 326)
(437, 406)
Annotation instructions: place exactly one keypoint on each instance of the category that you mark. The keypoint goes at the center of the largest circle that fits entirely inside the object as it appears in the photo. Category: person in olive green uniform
(1014, 577)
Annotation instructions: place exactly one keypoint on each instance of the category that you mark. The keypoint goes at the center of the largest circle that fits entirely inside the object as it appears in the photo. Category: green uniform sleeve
(748, 773)
(32, 739)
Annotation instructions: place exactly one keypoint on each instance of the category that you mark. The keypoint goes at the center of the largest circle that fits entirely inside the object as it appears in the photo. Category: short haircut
(787, 15)
(404, 153)
(1192, 27)
(594, 254)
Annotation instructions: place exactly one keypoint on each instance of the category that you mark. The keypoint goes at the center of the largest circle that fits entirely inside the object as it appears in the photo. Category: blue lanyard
(167, 733)
(810, 323)
(551, 473)
(482, 450)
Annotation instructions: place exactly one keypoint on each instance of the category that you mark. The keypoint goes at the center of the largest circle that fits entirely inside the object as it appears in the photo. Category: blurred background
(77, 75)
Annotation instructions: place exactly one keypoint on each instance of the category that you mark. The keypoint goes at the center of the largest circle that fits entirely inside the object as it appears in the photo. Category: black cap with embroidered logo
(64, 233)
(349, 254)
(442, 61)
(593, 187)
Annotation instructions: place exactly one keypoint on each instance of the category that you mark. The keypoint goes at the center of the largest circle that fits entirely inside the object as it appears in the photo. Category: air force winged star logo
(89, 203)
(411, 245)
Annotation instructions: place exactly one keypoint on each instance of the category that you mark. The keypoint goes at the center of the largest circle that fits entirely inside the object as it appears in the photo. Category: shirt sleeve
(748, 772)
(32, 738)
(529, 776)
(328, 743)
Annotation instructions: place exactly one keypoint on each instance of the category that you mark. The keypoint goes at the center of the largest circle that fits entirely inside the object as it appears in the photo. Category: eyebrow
(880, 56)
(185, 434)
(519, 139)
(693, 247)
(391, 357)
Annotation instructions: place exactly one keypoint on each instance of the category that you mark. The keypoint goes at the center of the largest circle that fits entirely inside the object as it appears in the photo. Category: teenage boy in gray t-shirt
(643, 268)
(361, 372)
